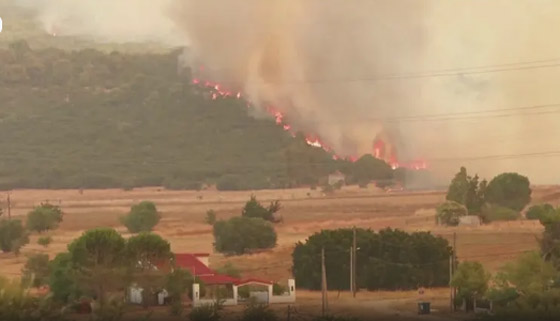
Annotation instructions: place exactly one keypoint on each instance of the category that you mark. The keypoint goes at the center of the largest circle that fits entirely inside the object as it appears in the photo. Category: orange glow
(379, 149)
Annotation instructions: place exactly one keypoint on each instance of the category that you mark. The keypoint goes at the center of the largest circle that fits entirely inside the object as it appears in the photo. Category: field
(304, 212)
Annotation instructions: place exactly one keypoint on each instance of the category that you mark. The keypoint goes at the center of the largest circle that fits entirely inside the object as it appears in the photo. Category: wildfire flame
(379, 150)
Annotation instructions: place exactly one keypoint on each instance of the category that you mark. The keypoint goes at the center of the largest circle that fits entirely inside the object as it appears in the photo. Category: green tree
(143, 217)
(44, 217)
(450, 212)
(12, 235)
(44, 240)
(178, 282)
(550, 241)
(389, 259)
(62, 280)
(144, 252)
(254, 209)
(468, 191)
(525, 281)
(210, 217)
(540, 212)
(369, 168)
(240, 235)
(471, 280)
(98, 257)
(36, 270)
(509, 190)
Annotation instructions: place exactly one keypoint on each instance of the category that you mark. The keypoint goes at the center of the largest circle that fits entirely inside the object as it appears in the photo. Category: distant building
(336, 177)
(469, 220)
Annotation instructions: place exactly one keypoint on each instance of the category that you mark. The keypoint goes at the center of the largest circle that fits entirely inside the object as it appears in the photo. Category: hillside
(87, 119)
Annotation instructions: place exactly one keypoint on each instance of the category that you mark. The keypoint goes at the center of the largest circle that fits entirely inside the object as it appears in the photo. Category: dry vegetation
(304, 212)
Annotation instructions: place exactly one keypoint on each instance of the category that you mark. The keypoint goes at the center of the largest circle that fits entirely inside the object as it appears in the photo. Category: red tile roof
(191, 263)
(208, 276)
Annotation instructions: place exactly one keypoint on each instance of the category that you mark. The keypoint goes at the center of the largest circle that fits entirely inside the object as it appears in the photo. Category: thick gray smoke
(353, 71)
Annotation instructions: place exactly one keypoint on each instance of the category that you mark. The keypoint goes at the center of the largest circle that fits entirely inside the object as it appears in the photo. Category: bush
(540, 212)
(36, 270)
(142, 217)
(44, 240)
(12, 235)
(240, 235)
(210, 217)
(259, 312)
(44, 217)
(209, 312)
(278, 289)
(492, 213)
(254, 209)
(16, 304)
(178, 283)
(450, 212)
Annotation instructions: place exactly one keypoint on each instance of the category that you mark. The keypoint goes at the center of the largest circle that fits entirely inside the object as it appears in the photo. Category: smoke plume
(360, 70)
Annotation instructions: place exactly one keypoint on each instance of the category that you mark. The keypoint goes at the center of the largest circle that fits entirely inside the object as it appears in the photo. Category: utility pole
(325, 306)
(9, 207)
(352, 269)
(354, 261)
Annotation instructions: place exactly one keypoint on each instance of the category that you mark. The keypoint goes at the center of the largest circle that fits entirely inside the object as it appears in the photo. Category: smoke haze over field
(325, 64)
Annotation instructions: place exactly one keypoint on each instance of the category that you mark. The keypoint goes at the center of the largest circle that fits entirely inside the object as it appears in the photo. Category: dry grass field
(304, 212)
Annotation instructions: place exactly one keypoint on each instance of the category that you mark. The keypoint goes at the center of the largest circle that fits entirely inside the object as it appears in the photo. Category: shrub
(16, 304)
(258, 312)
(210, 217)
(540, 212)
(240, 235)
(209, 312)
(36, 270)
(278, 289)
(44, 240)
(178, 283)
(254, 209)
(142, 217)
(492, 213)
(12, 235)
(450, 212)
(44, 217)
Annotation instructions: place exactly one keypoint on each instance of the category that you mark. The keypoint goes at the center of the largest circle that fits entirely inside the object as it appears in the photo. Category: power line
(552, 63)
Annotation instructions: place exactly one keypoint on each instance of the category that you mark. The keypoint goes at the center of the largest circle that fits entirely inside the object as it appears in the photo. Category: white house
(197, 264)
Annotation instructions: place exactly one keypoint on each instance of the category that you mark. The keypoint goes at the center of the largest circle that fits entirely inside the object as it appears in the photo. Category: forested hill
(88, 119)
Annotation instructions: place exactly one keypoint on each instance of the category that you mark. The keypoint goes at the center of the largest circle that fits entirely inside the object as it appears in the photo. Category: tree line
(388, 259)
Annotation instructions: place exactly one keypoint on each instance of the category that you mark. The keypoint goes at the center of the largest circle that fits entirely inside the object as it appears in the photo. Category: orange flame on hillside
(379, 151)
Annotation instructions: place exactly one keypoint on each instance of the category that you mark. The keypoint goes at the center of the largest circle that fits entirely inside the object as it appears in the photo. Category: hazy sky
(349, 70)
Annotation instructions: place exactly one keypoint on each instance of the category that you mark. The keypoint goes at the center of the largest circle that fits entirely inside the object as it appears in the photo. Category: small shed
(470, 220)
